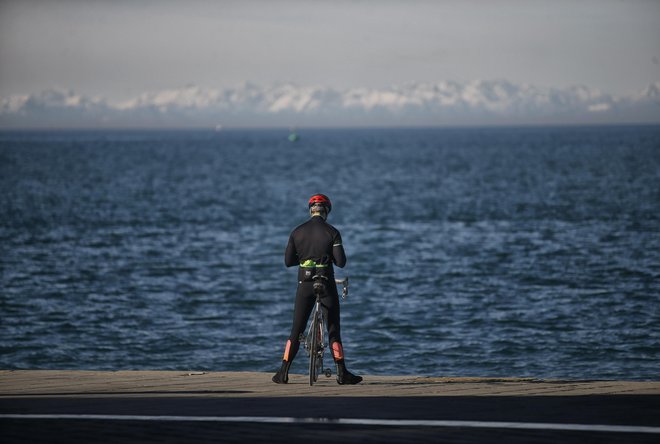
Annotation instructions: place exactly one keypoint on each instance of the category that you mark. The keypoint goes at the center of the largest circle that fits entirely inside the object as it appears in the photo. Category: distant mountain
(441, 103)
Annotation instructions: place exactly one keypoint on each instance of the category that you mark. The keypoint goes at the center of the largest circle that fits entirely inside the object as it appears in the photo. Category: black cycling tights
(305, 299)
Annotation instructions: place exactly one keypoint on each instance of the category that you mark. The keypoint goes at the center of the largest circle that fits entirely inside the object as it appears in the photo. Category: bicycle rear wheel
(313, 349)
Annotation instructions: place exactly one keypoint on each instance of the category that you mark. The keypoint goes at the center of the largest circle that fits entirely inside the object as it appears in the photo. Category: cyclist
(314, 246)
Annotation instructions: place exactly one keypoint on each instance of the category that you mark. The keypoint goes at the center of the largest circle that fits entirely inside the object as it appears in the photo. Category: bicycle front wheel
(314, 348)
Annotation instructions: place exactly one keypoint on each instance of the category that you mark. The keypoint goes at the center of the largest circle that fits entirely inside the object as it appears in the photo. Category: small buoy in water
(293, 137)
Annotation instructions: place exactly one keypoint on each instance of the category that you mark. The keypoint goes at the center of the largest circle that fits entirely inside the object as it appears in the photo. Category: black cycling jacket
(317, 241)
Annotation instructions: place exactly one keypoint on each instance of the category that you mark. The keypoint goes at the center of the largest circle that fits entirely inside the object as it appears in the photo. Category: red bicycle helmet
(320, 199)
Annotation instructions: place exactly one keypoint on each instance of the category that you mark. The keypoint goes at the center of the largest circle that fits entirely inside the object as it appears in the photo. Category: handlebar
(344, 290)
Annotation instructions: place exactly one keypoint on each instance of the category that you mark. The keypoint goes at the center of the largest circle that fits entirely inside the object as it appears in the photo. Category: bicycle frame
(316, 339)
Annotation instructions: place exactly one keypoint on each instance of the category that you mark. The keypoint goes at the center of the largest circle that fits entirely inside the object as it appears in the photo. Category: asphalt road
(316, 419)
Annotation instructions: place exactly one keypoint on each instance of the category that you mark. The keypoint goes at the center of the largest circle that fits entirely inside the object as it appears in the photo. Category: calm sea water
(471, 252)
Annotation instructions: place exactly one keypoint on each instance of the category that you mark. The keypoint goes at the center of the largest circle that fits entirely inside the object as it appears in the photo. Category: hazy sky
(118, 49)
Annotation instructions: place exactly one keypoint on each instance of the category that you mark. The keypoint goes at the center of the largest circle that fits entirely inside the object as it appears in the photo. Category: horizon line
(296, 128)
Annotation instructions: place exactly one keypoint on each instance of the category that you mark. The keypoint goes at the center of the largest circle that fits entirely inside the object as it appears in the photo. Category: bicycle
(316, 341)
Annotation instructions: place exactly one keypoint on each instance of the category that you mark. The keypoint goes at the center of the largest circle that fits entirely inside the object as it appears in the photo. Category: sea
(485, 252)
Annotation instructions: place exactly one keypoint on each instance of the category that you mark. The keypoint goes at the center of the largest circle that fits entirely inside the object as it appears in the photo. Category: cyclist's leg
(331, 302)
(302, 308)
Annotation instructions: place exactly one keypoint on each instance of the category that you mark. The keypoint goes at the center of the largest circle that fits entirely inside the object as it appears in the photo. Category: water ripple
(475, 252)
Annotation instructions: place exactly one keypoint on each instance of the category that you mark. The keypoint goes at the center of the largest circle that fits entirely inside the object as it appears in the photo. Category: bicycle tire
(320, 346)
(313, 348)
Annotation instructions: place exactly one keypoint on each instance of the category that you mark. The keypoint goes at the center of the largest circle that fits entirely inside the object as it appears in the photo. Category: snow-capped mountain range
(441, 103)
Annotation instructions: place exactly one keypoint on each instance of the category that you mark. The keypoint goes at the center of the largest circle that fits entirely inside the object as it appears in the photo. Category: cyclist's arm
(338, 254)
(290, 254)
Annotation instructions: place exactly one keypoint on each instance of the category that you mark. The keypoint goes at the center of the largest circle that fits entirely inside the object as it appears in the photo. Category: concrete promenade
(187, 406)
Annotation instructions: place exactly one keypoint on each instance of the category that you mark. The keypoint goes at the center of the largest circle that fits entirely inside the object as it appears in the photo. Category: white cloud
(187, 97)
(599, 107)
(441, 103)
